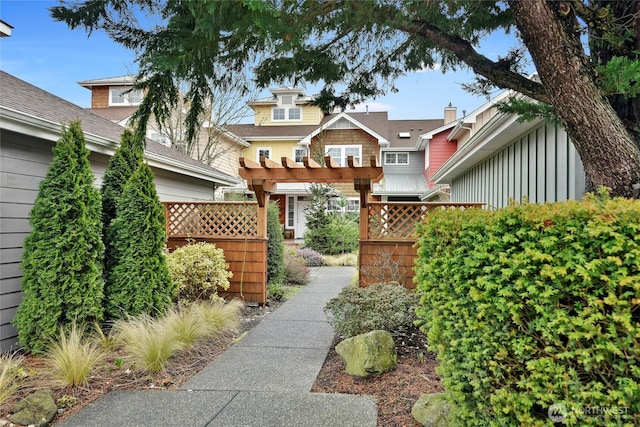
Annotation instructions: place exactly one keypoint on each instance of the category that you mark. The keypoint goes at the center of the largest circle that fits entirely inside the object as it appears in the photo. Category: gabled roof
(115, 114)
(335, 121)
(27, 109)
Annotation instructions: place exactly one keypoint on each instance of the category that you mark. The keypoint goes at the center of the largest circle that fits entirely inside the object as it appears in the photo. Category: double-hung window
(396, 158)
(340, 153)
(119, 96)
(263, 152)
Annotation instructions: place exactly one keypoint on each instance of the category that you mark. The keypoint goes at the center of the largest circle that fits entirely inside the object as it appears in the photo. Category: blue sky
(49, 55)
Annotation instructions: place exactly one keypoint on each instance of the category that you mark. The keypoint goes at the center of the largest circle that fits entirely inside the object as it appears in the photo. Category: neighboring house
(114, 99)
(31, 121)
(498, 159)
(288, 124)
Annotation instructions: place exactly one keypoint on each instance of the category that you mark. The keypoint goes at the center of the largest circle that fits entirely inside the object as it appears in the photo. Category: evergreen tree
(275, 245)
(120, 168)
(62, 259)
(139, 281)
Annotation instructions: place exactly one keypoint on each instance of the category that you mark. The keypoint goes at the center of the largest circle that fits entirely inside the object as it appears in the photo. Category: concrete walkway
(263, 380)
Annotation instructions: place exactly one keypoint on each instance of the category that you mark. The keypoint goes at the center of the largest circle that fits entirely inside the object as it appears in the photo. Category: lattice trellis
(211, 219)
(397, 221)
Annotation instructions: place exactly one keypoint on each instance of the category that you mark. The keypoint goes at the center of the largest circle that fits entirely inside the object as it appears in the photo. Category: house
(498, 158)
(288, 124)
(113, 98)
(31, 121)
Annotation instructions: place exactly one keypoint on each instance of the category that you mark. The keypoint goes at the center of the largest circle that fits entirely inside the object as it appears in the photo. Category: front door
(300, 217)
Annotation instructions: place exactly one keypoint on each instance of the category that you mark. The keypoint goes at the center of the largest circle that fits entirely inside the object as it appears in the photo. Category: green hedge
(535, 306)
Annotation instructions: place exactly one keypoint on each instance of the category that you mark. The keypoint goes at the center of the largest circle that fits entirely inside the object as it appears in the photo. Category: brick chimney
(450, 114)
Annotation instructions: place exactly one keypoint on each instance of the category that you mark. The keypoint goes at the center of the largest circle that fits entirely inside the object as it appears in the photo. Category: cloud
(373, 106)
(428, 68)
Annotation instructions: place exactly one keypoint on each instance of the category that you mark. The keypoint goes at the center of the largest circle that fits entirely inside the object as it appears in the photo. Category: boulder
(368, 354)
(37, 409)
(432, 410)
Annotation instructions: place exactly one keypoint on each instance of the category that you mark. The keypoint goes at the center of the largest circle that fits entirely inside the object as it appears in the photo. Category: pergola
(263, 177)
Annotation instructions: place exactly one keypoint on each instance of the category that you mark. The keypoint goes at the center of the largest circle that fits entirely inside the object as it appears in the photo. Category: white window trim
(396, 153)
(286, 114)
(259, 149)
(343, 158)
(126, 97)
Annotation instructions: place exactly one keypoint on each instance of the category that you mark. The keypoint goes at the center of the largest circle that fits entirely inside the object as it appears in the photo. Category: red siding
(440, 150)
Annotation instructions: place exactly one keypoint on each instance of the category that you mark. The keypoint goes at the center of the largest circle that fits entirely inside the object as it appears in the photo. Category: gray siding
(415, 166)
(541, 165)
(24, 161)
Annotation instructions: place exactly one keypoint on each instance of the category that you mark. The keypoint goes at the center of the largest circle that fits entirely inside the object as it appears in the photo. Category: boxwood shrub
(535, 308)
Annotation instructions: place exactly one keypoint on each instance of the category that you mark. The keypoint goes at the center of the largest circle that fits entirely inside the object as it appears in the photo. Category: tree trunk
(609, 153)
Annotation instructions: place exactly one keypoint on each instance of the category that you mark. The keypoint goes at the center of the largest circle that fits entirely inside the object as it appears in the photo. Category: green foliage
(139, 281)
(382, 306)
(340, 235)
(275, 245)
(71, 358)
(619, 76)
(120, 168)
(198, 269)
(295, 268)
(275, 291)
(533, 305)
(328, 233)
(62, 259)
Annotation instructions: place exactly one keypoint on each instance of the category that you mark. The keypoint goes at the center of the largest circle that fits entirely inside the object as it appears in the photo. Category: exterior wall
(369, 145)
(541, 165)
(311, 115)
(279, 149)
(24, 163)
(415, 166)
(440, 150)
(100, 97)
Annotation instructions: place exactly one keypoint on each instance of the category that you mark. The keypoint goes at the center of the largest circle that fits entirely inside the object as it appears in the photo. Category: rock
(367, 354)
(432, 410)
(37, 409)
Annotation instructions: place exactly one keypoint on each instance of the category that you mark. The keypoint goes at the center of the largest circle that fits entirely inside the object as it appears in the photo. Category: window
(342, 205)
(279, 113)
(264, 152)
(124, 96)
(353, 205)
(340, 153)
(286, 100)
(396, 158)
(291, 211)
(282, 114)
(298, 154)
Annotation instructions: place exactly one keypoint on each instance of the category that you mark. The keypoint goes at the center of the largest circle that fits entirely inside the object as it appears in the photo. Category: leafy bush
(275, 245)
(339, 236)
(63, 253)
(356, 311)
(139, 281)
(311, 257)
(71, 358)
(275, 291)
(295, 268)
(198, 269)
(535, 305)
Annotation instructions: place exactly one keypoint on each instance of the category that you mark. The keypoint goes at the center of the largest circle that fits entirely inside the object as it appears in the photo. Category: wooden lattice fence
(388, 240)
(231, 226)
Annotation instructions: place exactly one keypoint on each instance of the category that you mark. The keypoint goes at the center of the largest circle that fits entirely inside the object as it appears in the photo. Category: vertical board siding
(541, 166)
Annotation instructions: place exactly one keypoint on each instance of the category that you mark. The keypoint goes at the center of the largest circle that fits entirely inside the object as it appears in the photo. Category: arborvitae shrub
(535, 305)
(62, 259)
(380, 306)
(120, 168)
(198, 269)
(139, 281)
(275, 245)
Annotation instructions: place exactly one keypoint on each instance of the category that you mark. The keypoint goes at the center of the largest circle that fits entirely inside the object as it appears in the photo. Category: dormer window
(122, 96)
(286, 109)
